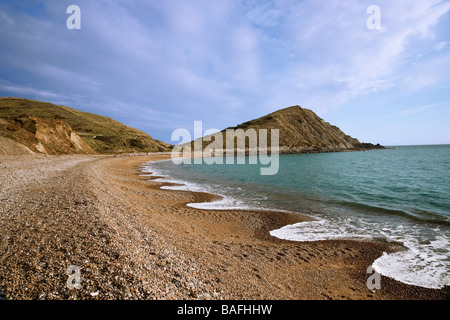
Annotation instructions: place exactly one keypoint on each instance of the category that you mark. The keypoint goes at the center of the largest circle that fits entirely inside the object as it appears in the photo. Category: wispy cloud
(241, 59)
(415, 110)
(441, 45)
(24, 91)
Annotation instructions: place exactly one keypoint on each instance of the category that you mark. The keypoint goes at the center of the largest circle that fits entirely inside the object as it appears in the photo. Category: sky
(380, 76)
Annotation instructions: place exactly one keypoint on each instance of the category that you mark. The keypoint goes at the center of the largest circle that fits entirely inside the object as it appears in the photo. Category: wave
(425, 262)
(416, 215)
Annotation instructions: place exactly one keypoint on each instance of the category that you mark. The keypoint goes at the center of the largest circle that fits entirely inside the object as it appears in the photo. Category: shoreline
(237, 201)
(135, 240)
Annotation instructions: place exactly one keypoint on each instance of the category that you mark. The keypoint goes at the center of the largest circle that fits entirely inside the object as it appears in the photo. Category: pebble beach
(129, 239)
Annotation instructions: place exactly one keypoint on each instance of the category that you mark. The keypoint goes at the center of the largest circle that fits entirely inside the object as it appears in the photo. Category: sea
(399, 195)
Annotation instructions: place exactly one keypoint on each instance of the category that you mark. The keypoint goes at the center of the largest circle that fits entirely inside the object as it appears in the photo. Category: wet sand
(133, 240)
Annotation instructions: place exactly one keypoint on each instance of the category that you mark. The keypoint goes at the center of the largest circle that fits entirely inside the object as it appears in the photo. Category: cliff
(29, 126)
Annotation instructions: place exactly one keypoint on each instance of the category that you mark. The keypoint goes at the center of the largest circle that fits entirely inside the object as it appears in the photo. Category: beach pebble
(130, 248)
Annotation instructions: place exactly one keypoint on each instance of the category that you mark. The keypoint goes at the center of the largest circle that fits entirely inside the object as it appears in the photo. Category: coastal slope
(30, 126)
(300, 131)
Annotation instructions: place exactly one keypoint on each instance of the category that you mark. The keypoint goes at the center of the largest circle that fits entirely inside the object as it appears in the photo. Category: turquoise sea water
(401, 194)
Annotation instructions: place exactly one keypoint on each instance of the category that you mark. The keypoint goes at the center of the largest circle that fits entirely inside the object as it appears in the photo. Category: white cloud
(337, 58)
(415, 110)
(23, 91)
(441, 45)
(233, 56)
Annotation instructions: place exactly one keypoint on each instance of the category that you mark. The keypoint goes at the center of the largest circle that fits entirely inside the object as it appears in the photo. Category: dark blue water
(399, 194)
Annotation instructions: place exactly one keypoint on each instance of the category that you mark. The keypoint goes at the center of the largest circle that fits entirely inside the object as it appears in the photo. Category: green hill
(300, 131)
(29, 126)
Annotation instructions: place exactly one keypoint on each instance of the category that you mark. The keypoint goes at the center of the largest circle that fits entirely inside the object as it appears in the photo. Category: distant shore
(133, 240)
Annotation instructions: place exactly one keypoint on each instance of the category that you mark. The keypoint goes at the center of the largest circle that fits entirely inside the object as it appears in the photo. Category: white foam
(224, 203)
(317, 230)
(422, 263)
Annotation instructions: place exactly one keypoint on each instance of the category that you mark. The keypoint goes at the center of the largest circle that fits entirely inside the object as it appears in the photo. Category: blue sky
(161, 65)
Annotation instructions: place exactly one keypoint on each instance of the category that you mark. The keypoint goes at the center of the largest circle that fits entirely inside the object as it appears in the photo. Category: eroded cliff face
(30, 126)
(37, 135)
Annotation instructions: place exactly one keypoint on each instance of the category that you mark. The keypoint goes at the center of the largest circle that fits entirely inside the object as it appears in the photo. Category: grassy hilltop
(30, 126)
